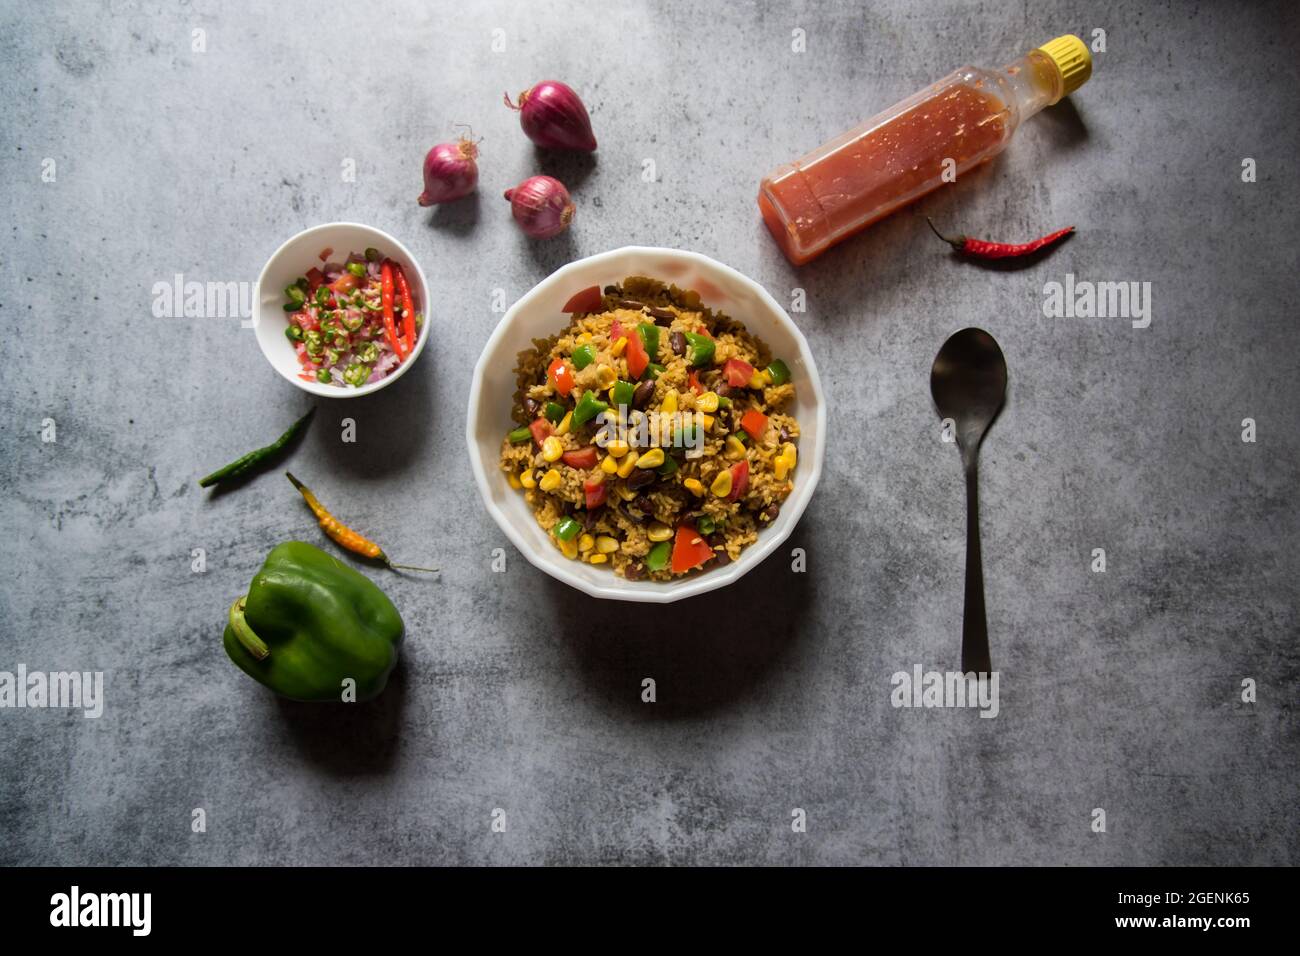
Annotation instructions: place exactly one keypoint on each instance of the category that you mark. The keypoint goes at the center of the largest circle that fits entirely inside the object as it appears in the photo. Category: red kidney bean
(641, 478)
(644, 391)
(678, 343)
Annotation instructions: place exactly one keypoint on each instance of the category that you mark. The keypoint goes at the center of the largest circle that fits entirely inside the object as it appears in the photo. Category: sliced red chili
(408, 307)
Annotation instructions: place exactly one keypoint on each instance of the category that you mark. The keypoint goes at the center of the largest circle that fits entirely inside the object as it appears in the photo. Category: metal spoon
(969, 385)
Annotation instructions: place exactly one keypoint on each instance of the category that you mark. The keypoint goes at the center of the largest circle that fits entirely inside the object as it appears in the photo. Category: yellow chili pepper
(344, 536)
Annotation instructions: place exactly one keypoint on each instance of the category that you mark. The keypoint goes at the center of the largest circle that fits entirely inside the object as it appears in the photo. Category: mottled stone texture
(1120, 690)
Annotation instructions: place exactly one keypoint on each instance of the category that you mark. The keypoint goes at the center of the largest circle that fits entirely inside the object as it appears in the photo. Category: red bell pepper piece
(693, 380)
(326, 253)
(408, 307)
(739, 480)
(582, 458)
(561, 377)
(595, 493)
(690, 550)
(754, 422)
(541, 430)
(588, 300)
(386, 297)
(637, 359)
(738, 372)
(315, 278)
(616, 332)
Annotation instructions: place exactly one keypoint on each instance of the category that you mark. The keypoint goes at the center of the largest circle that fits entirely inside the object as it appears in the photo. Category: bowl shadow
(349, 740)
(705, 653)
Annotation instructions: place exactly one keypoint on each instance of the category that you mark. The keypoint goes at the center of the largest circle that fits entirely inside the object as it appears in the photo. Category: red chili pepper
(408, 307)
(982, 249)
(386, 296)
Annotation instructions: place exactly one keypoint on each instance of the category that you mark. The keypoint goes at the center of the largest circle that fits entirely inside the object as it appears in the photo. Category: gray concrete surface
(1119, 690)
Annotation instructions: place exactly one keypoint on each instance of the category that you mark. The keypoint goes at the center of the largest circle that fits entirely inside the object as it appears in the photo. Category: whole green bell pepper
(309, 622)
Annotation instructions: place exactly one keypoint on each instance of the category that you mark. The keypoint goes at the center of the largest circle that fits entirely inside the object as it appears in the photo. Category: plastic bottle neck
(1032, 83)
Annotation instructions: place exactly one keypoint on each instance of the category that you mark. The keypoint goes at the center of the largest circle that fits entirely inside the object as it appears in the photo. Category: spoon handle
(974, 625)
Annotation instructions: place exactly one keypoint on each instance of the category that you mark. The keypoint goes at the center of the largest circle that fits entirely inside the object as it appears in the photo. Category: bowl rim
(333, 391)
(663, 593)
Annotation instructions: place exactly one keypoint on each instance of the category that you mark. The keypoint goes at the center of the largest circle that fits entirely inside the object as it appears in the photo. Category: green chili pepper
(649, 333)
(313, 342)
(779, 371)
(588, 408)
(372, 254)
(567, 529)
(295, 295)
(311, 628)
(242, 466)
(583, 356)
(704, 525)
(356, 374)
(657, 559)
(331, 357)
(358, 269)
(291, 307)
(353, 322)
(554, 412)
(520, 435)
(623, 392)
(322, 295)
(294, 333)
(701, 348)
(323, 376)
(302, 283)
(368, 352)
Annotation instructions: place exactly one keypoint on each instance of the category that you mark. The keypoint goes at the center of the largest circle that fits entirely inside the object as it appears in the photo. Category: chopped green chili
(779, 371)
(657, 559)
(554, 412)
(649, 338)
(583, 356)
(567, 529)
(588, 408)
(520, 435)
(701, 348)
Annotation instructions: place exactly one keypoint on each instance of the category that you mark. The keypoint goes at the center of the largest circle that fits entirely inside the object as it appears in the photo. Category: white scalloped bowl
(538, 315)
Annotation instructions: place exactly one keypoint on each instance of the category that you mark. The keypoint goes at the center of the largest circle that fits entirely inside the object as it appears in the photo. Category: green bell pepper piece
(520, 435)
(701, 348)
(668, 467)
(657, 559)
(309, 622)
(589, 406)
(566, 529)
(583, 356)
(623, 392)
(554, 412)
(652, 371)
(705, 525)
(779, 371)
(649, 333)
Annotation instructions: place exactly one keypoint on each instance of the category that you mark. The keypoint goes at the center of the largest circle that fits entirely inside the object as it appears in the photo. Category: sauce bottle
(899, 155)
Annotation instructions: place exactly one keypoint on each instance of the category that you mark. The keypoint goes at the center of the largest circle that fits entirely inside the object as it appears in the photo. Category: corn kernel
(584, 338)
(606, 545)
(527, 479)
(694, 487)
(617, 348)
(609, 466)
(708, 402)
(780, 467)
(568, 548)
(617, 447)
(626, 493)
(651, 459)
(756, 380)
(551, 480)
(721, 486)
(514, 481)
(789, 451)
(606, 376)
(735, 448)
(625, 469)
(565, 423)
(669, 404)
(659, 531)
(707, 421)
(552, 448)
(598, 559)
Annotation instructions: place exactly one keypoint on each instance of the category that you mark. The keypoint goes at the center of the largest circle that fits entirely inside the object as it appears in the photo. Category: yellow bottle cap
(1072, 59)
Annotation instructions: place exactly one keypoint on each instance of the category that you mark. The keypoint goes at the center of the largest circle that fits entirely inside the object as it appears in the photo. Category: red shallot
(541, 206)
(553, 117)
(450, 172)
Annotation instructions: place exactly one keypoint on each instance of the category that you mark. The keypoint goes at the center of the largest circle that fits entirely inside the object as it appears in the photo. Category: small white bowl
(293, 259)
(538, 315)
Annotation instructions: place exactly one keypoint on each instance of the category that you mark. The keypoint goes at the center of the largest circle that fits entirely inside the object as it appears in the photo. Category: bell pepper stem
(246, 635)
